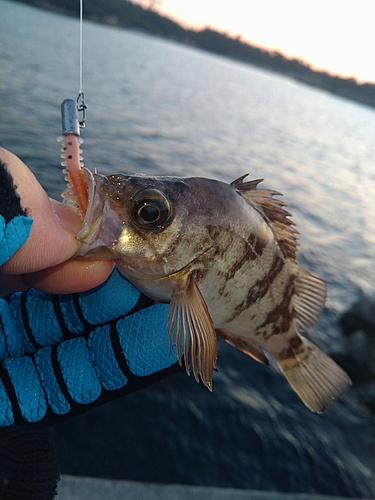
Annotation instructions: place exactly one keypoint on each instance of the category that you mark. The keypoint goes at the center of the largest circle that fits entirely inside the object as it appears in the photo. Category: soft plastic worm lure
(76, 192)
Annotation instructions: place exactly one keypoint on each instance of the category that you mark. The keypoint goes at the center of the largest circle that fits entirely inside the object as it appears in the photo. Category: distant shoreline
(125, 14)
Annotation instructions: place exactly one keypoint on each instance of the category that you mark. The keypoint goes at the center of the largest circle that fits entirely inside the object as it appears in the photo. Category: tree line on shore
(125, 14)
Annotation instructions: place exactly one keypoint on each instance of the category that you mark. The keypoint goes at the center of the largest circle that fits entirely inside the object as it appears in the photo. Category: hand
(45, 260)
(62, 354)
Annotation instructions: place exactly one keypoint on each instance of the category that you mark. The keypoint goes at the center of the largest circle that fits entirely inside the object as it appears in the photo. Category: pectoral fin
(244, 346)
(190, 325)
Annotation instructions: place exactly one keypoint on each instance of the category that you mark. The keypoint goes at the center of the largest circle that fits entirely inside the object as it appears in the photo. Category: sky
(333, 35)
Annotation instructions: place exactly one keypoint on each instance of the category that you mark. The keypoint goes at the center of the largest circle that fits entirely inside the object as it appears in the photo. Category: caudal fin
(315, 377)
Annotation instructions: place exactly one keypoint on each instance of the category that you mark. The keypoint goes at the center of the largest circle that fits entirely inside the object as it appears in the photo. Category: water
(161, 108)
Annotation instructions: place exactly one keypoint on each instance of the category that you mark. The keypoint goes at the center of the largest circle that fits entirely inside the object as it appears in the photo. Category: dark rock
(361, 316)
(356, 352)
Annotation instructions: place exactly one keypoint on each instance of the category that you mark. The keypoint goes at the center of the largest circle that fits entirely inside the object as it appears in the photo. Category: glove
(13, 235)
(15, 225)
(28, 465)
(63, 354)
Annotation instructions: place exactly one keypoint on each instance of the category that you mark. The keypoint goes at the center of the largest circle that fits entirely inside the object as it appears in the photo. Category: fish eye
(149, 208)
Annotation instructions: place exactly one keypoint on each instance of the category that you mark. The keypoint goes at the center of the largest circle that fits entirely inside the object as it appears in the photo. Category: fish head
(152, 226)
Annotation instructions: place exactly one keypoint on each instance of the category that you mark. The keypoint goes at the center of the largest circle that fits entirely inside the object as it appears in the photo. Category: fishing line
(73, 116)
(81, 105)
(80, 44)
(73, 113)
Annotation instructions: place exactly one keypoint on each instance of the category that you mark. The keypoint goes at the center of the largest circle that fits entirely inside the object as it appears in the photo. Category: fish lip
(86, 234)
(92, 235)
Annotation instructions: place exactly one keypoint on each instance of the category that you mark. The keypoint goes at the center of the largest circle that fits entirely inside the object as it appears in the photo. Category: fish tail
(314, 376)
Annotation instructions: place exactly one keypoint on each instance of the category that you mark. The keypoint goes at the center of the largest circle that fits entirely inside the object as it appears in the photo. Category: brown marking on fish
(258, 248)
(260, 289)
(280, 317)
(294, 348)
(249, 253)
(225, 244)
(287, 354)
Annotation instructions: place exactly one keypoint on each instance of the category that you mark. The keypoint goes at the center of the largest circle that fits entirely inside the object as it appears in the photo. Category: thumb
(52, 236)
(44, 260)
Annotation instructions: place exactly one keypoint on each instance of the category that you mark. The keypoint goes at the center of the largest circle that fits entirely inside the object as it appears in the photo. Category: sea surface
(161, 108)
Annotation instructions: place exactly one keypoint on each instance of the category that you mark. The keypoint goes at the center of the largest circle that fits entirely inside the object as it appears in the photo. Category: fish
(224, 257)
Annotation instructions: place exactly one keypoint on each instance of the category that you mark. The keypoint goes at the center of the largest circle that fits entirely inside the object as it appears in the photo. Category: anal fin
(190, 325)
(244, 346)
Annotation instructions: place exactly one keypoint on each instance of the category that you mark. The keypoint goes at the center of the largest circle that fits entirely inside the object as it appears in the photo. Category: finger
(71, 277)
(52, 237)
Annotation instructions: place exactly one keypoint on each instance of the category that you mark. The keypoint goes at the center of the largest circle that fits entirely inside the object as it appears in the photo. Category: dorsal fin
(272, 210)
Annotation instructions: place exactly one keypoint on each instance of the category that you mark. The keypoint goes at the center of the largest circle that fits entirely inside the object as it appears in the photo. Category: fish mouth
(93, 234)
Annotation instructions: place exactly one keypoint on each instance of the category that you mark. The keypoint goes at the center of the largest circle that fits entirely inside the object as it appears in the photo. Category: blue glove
(63, 354)
(13, 235)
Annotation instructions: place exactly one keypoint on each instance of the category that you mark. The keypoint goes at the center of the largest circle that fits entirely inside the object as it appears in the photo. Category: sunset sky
(335, 35)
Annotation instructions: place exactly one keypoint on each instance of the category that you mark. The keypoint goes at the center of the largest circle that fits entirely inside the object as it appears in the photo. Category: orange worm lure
(76, 192)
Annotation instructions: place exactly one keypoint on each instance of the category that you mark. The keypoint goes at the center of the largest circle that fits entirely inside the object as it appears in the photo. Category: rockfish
(224, 256)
